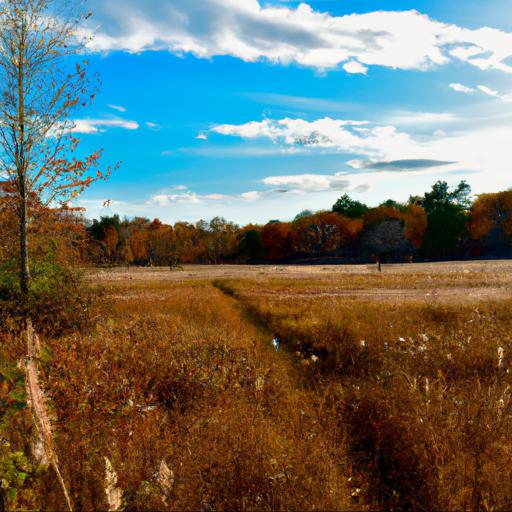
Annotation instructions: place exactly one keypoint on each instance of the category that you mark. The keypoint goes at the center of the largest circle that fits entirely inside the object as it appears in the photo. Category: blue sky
(257, 110)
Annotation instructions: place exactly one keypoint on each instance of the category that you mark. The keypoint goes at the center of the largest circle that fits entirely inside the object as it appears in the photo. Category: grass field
(390, 391)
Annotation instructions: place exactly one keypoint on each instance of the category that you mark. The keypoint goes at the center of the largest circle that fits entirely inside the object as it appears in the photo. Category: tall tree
(447, 212)
(43, 81)
(349, 207)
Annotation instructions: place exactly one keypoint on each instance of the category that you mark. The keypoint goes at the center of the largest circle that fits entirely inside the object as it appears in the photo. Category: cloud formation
(119, 108)
(92, 126)
(484, 89)
(346, 136)
(469, 146)
(406, 165)
(309, 182)
(247, 30)
(462, 88)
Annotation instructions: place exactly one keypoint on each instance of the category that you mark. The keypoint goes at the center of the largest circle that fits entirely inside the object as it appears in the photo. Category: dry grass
(188, 380)
(373, 403)
(426, 395)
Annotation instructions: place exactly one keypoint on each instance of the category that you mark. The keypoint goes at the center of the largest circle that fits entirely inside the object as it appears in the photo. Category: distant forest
(442, 224)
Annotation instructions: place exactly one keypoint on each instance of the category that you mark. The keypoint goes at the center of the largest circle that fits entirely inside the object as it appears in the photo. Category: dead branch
(38, 408)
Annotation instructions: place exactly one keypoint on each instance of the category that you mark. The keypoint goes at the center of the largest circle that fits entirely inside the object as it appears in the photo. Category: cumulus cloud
(248, 30)
(181, 197)
(181, 194)
(353, 67)
(253, 195)
(92, 126)
(343, 135)
(468, 146)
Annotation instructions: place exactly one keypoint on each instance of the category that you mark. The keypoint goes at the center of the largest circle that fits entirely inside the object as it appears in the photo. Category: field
(389, 391)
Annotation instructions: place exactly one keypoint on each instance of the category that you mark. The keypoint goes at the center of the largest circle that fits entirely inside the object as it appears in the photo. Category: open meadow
(255, 255)
(388, 392)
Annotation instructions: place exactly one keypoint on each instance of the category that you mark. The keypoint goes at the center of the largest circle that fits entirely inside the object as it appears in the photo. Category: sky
(258, 109)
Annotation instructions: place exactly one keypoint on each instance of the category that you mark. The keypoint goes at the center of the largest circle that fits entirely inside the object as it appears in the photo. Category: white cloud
(309, 182)
(469, 147)
(462, 88)
(427, 118)
(91, 126)
(251, 196)
(152, 126)
(343, 135)
(484, 89)
(488, 91)
(202, 136)
(248, 30)
(353, 67)
(181, 194)
(119, 108)
(215, 197)
(167, 199)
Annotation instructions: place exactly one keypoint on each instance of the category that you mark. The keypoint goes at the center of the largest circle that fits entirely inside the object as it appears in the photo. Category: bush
(58, 299)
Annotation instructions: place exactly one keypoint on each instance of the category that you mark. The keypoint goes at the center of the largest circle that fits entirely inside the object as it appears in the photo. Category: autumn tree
(323, 233)
(386, 240)
(416, 222)
(491, 222)
(220, 238)
(276, 238)
(43, 81)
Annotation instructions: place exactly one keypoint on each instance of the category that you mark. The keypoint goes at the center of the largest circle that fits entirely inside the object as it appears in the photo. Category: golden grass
(425, 396)
(187, 379)
(371, 404)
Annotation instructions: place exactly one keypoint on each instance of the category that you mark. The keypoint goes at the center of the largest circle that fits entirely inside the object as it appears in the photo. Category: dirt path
(194, 272)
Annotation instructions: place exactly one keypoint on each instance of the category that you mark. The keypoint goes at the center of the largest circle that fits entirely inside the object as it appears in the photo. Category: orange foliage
(491, 211)
(276, 239)
(415, 224)
(413, 217)
(324, 232)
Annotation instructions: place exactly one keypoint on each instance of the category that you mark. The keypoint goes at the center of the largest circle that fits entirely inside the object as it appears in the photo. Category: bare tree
(386, 239)
(43, 81)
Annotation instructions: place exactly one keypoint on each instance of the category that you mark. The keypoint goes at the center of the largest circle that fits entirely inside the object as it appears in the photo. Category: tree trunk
(24, 268)
(21, 166)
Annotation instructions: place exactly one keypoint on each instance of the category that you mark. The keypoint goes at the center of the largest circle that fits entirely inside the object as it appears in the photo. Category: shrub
(58, 298)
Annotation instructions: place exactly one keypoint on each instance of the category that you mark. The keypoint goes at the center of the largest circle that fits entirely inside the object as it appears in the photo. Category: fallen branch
(37, 405)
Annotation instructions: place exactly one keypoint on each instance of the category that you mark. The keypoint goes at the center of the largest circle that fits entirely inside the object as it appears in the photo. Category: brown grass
(371, 404)
(425, 400)
(190, 381)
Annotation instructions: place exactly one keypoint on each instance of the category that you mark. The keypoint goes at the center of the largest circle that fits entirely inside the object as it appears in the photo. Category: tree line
(442, 224)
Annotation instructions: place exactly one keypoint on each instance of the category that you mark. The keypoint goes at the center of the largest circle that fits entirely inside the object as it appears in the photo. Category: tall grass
(175, 399)
(425, 391)
(185, 380)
